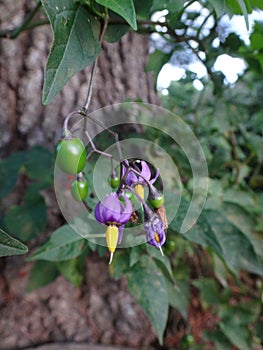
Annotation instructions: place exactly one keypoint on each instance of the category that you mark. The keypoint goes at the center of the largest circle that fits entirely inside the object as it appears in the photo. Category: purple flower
(144, 170)
(131, 178)
(155, 234)
(111, 211)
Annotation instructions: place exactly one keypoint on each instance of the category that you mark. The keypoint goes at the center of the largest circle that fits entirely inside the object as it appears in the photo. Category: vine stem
(94, 68)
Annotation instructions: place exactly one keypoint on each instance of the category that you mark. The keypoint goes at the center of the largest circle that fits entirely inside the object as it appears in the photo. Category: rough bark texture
(23, 119)
(104, 313)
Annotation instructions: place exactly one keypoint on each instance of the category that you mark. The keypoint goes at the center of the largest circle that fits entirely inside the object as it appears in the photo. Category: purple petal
(97, 213)
(127, 210)
(152, 181)
(112, 208)
(146, 171)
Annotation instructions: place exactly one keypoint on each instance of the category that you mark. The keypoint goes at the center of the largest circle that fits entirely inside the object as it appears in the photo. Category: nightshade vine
(116, 209)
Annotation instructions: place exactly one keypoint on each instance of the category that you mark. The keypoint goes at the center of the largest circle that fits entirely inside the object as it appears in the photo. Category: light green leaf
(10, 246)
(124, 8)
(148, 285)
(75, 44)
(64, 244)
(237, 249)
(43, 273)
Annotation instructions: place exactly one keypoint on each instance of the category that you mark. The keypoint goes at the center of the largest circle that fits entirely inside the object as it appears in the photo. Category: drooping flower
(115, 214)
(145, 171)
(154, 228)
(142, 177)
(155, 233)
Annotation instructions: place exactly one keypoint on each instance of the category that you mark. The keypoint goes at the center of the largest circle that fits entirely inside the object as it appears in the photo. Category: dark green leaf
(9, 170)
(39, 163)
(120, 264)
(143, 8)
(64, 244)
(233, 240)
(43, 273)
(28, 220)
(237, 335)
(148, 285)
(72, 269)
(200, 233)
(10, 246)
(178, 295)
(115, 32)
(75, 44)
(208, 291)
(124, 8)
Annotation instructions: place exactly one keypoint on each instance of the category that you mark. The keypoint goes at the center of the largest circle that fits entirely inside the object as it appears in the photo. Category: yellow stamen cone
(112, 234)
(140, 190)
(158, 241)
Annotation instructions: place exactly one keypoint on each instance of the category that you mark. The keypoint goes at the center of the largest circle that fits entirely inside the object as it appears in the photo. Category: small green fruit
(157, 202)
(79, 189)
(114, 181)
(71, 155)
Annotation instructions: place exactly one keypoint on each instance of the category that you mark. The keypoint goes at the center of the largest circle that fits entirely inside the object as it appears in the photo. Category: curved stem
(94, 68)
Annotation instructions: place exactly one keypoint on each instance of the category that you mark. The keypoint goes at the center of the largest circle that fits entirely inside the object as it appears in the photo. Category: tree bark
(24, 121)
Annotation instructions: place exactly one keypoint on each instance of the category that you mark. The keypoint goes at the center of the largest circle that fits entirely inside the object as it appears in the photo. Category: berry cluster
(117, 209)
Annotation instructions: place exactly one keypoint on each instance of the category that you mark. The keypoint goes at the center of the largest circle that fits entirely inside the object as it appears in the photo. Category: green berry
(79, 189)
(71, 155)
(114, 182)
(157, 202)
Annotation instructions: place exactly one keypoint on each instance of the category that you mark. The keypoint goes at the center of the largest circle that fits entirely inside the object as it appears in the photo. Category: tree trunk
(24, 121)
(105, 313)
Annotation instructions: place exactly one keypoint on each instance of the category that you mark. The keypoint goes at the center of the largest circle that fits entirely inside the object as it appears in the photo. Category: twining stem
(94, 67)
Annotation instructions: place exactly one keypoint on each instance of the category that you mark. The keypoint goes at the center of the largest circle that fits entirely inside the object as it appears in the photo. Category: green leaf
(120, 264)
(9, 170)
(201, 232)
(43, 273)
(124, 8)
(163, 260)
(237, 335)
(72, 269)
(28, 220)
(10, 246)
(143, 8)
(148, 285)
(115, 32)
(39, 164)
(237, 249)
(208, 291)
(156, 62)
(178, 295)
(75, 44)
(64, 244)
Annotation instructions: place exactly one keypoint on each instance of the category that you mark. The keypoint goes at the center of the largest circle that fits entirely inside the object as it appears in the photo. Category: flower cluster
(117, 208)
